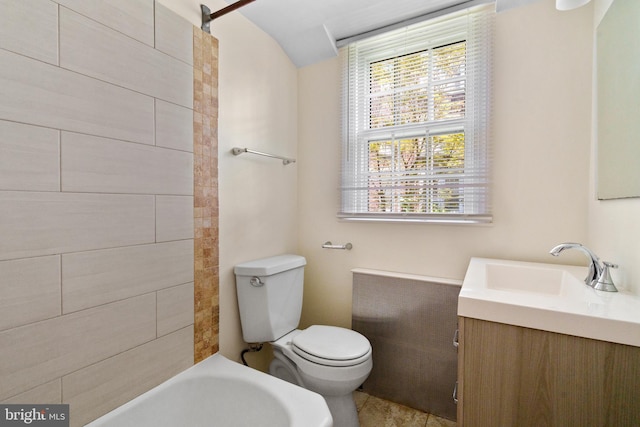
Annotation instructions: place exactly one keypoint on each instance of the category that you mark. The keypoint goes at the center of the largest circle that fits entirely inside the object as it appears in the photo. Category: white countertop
(575, 309)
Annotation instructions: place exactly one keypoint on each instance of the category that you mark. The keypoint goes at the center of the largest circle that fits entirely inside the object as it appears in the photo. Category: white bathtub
(219, 392)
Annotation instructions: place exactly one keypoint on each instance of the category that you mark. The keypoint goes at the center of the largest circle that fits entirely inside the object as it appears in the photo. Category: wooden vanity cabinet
(509, 376)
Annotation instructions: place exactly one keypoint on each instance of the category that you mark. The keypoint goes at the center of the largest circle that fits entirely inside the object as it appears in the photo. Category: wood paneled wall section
(520, 377)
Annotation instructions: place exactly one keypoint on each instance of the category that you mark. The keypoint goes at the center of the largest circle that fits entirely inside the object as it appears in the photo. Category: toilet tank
(270, 296)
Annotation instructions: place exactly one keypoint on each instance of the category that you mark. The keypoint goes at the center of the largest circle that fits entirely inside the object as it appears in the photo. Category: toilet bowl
(329, 360)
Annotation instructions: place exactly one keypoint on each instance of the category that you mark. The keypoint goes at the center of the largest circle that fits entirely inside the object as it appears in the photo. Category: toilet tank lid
(269, 266)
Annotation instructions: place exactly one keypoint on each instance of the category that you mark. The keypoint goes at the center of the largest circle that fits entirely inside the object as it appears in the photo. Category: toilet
(329, 360)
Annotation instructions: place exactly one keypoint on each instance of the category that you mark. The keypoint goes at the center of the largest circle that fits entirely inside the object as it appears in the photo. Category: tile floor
(376, 412)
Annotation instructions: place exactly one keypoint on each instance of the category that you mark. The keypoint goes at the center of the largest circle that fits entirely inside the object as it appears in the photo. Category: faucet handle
(605, 282)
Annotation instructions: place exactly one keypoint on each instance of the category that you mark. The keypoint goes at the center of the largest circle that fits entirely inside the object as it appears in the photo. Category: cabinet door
(513, 376)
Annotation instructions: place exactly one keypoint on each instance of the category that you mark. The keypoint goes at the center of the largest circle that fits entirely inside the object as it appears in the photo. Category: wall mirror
(618, 101)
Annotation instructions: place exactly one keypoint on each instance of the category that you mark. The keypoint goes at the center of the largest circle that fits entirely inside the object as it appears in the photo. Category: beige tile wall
(30, 290)
(30, 158)
(38, 93)
(205, 143)
(97, 202)
(30, 28)
(100, 165)
(93, 49)
(131, 17)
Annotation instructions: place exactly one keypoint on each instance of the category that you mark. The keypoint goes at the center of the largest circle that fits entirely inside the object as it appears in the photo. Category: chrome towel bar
(329, 245)
(285, 160)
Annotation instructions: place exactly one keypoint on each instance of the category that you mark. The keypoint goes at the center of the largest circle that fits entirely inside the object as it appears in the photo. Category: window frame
(357, 134)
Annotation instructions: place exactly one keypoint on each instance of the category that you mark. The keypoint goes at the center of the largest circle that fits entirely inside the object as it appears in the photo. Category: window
(415, 134)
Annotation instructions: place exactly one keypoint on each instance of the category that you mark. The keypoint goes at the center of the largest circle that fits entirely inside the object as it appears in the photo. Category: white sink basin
(521, 278)
(549, 297)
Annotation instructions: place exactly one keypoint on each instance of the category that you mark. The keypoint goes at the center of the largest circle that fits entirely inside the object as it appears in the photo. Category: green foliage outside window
(425, 170)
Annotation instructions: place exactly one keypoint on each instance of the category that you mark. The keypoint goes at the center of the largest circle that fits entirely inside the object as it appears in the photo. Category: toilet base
(343, 408)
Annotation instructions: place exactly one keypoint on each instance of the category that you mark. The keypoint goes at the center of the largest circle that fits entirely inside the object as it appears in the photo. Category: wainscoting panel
(410, 321)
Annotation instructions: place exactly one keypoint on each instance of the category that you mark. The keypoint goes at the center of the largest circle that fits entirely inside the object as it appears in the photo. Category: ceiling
(307, 30)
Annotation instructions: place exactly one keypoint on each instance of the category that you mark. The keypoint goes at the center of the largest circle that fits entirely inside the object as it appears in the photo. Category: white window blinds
(416, 122)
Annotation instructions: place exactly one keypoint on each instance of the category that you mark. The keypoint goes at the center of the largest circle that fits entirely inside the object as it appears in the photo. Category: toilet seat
(331, 346)
(339, 379)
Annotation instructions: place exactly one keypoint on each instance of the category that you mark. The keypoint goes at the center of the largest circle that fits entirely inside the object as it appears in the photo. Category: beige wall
(614, 229)
(542, 165)
(96, 201)
(541, 137)
(258, 196)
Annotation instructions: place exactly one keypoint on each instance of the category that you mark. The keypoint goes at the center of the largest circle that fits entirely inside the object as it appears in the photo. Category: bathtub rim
(305, 408)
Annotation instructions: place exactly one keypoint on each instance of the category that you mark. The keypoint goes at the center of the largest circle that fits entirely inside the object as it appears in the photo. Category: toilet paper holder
(329, 245)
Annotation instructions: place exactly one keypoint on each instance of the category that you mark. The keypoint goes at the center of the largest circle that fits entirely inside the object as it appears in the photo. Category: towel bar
(285, 160)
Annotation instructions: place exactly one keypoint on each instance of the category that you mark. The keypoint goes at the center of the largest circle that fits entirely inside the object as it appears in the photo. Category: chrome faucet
(595, 269)
(598, 277)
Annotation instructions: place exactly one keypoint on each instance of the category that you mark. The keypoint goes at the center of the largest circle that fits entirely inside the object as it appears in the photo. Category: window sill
(417, 218)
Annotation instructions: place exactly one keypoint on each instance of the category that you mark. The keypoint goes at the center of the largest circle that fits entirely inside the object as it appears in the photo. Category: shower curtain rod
(207, 16)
